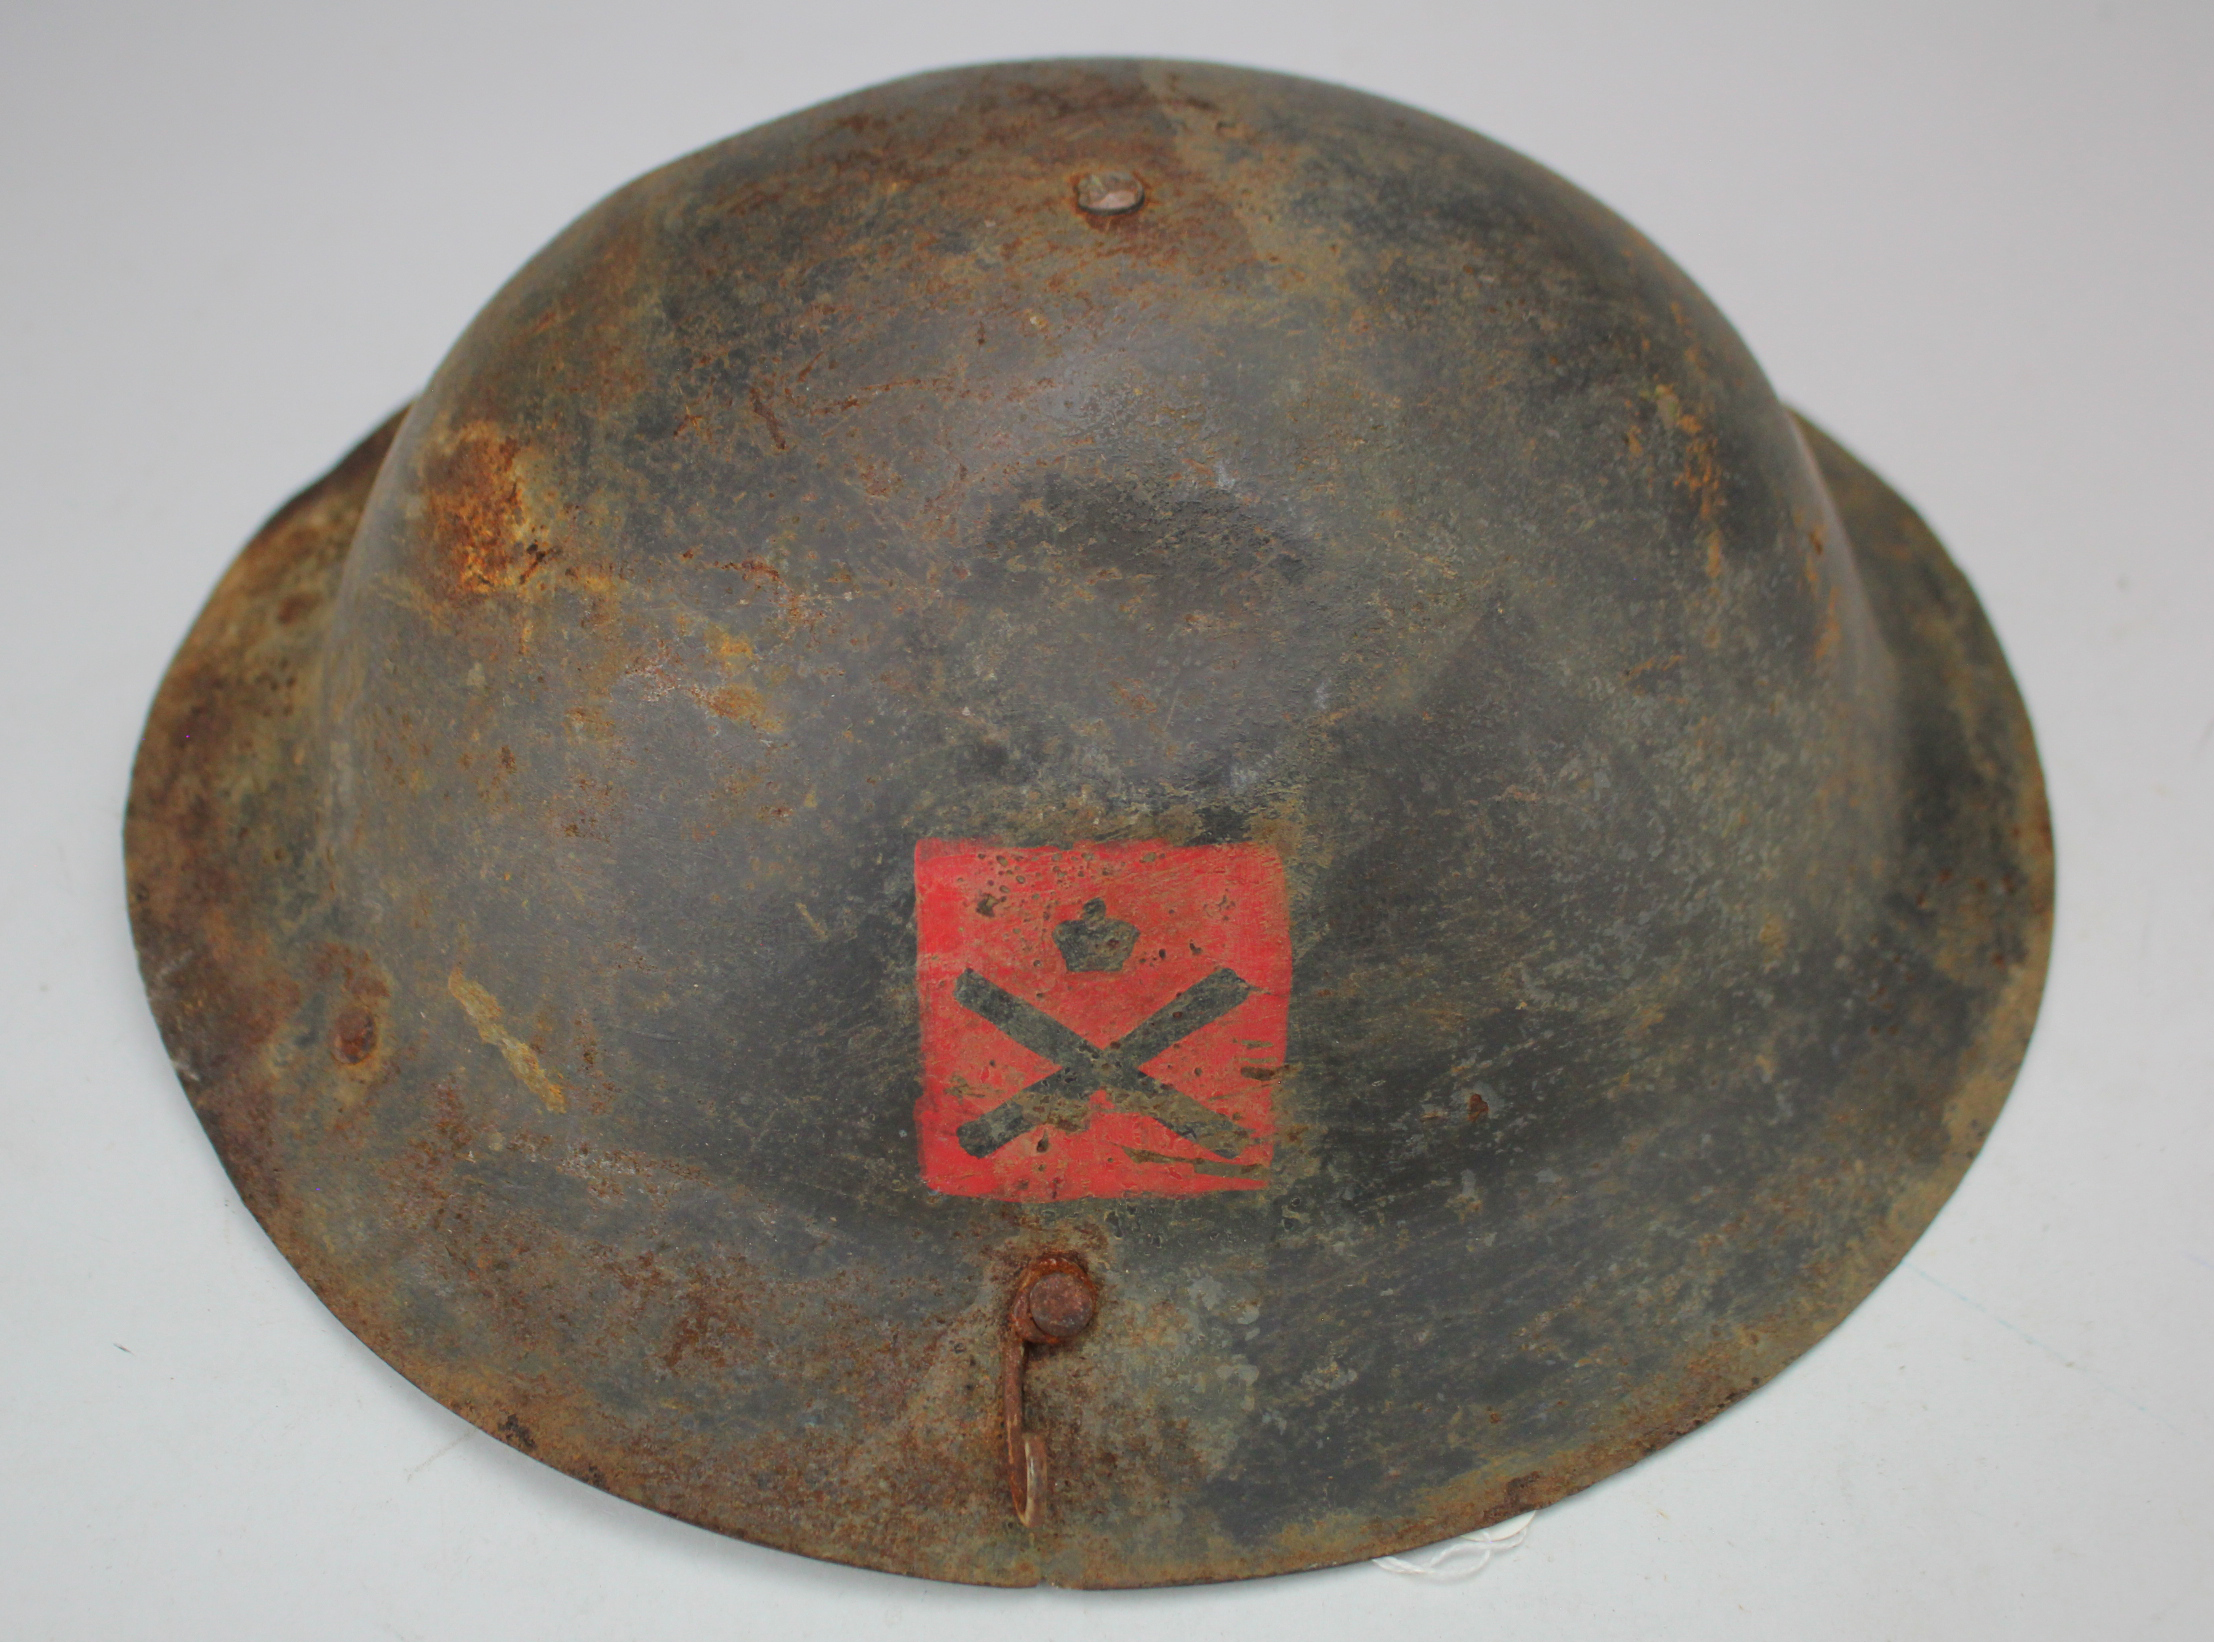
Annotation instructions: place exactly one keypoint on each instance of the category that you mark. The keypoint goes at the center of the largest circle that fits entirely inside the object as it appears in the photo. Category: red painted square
(1099, 1021)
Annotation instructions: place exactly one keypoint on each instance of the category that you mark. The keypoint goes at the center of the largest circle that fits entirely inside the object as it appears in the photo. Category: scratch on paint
(2059, 1357)
(483, 1011)
(422, 1465)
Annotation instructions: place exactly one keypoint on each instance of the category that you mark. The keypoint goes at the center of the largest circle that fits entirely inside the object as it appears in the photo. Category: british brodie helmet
(1097, 822)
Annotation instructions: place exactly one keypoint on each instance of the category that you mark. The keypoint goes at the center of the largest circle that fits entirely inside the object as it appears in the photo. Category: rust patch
(354, 1038)
(473, 514)
(743, 703)
(484, 1014)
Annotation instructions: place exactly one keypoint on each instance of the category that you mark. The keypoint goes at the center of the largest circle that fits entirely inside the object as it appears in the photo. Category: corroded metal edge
(226, 882)
(221, 792)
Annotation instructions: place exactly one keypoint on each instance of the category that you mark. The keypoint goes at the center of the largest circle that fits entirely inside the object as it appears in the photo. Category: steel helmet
(1099, 822)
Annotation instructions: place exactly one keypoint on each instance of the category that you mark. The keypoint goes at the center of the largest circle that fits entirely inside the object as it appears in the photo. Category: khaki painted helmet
(1098, 822)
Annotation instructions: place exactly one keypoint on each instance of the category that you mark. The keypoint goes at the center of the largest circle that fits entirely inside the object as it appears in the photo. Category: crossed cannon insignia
(1063, 1097)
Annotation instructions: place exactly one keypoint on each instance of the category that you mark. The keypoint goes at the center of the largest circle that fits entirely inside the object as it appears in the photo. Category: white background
(1976, 242)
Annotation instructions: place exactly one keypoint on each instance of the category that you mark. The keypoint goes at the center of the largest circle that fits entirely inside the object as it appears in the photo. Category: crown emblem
(1095, 941)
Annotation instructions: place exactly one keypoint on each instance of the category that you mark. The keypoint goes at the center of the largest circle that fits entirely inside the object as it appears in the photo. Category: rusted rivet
(1054, 1302)
(1062, 1303)
(1109, 193)
(354, 1037)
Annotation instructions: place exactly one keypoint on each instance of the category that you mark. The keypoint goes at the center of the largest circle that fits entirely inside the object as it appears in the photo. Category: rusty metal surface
(520, 845)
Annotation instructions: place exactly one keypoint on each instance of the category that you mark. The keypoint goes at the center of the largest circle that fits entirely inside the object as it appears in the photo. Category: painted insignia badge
(1099, 1021)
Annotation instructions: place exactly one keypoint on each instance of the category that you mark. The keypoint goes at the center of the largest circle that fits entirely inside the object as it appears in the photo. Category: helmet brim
(274, 1031)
